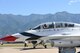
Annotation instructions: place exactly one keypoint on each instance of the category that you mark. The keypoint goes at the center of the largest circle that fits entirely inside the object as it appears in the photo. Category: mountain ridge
(10, 23)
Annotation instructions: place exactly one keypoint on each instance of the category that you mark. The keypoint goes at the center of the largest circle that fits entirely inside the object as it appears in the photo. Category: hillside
(10, 23)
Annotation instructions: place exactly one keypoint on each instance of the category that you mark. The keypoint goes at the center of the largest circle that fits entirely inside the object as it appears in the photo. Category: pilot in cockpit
(45, 26)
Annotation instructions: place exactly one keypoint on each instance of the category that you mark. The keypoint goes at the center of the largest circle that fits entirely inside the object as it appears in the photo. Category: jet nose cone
(9, 38)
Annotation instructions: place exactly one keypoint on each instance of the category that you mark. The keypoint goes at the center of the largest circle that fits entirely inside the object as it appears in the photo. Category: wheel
(45, 46)
(34, 47)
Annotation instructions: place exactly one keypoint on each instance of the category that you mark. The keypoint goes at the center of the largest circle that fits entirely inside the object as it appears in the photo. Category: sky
(27, 7)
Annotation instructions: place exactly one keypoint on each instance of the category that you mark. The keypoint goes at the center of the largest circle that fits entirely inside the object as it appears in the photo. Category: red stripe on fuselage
(9, 38)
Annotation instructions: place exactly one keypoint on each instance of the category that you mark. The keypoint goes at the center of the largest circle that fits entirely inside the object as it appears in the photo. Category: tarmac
(30, 50)
(27, 50)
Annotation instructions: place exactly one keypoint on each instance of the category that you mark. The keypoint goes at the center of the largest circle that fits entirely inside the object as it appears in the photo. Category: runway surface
(30, 50)
(27, 50)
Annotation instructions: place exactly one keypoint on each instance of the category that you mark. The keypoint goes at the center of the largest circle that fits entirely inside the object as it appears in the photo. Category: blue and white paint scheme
(62, 34)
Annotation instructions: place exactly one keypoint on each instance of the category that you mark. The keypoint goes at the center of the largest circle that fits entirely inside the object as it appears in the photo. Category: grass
(19, 45)
(13, 45)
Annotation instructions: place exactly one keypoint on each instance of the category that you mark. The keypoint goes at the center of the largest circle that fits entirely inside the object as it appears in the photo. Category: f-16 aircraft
(60, 34)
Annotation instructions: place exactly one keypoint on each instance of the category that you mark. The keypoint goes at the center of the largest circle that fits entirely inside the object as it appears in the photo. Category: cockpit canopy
(54, 25)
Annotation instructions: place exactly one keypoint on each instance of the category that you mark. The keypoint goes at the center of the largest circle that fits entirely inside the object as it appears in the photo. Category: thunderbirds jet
(60, 34)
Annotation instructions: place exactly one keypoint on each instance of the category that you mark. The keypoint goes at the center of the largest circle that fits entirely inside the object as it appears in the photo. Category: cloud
(73, 1)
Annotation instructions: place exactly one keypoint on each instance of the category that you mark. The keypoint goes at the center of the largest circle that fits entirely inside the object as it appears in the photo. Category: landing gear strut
(45, 46)
(35, 44)
(25, 44)
(42, 43)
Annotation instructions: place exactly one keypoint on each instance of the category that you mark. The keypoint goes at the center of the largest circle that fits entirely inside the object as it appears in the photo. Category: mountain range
(10, 24)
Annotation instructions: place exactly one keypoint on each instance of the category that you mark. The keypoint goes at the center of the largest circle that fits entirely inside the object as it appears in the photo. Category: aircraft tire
(34, 47)
(45, 46)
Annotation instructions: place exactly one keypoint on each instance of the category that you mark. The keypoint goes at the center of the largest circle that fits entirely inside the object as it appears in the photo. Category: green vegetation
(13, 45)
(21, 45)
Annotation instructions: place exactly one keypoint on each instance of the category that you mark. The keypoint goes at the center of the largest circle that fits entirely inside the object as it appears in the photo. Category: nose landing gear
(41, 43)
